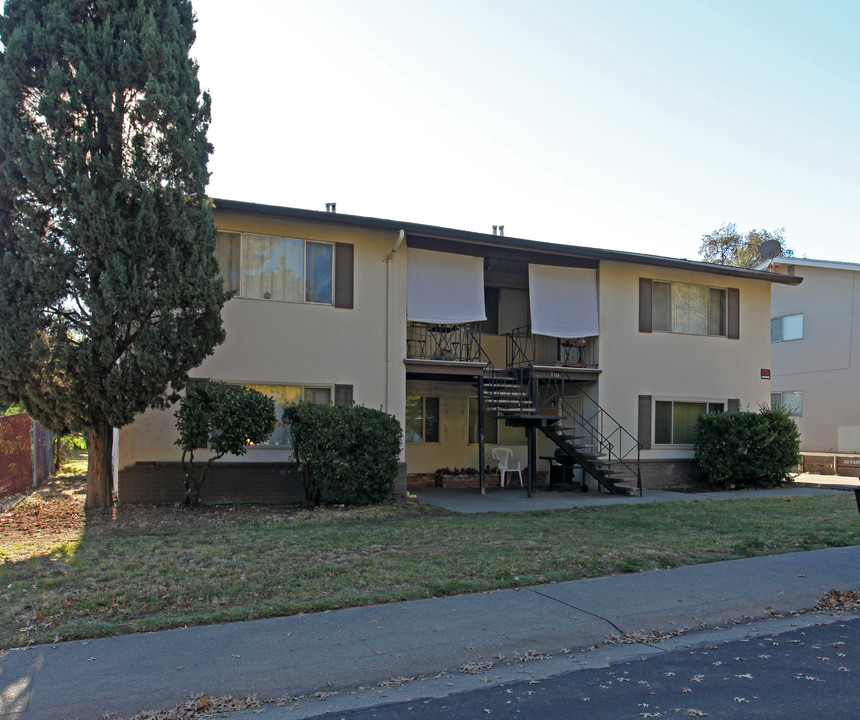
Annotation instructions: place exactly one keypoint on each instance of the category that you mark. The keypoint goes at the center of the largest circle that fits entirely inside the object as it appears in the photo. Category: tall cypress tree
(109, 290)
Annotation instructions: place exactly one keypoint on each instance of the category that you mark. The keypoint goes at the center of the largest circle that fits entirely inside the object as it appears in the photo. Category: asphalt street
(807, 673)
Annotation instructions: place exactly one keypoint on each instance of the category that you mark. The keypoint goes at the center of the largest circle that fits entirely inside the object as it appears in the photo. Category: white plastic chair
(504, 457)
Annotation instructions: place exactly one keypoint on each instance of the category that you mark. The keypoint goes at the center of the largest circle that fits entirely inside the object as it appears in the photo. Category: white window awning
(444, 288)
(563, 301)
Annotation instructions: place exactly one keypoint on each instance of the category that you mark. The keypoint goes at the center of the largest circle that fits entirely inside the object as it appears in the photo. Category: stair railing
(609, 436)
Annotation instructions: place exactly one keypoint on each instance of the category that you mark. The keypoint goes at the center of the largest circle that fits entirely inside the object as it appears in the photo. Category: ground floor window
(284, 395)
(675, 420)
(792, 400)
(422, 419)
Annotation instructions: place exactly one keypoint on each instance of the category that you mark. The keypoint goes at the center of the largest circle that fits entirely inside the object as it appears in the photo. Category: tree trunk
(100, 471)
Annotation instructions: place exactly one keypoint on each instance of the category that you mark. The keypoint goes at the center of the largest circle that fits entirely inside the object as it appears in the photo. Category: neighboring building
(815, 351)
(454, 332)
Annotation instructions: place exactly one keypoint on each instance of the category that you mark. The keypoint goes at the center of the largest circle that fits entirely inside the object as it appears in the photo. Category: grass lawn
(67, 575)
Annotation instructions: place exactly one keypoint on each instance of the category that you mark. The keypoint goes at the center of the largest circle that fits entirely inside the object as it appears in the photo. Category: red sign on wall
(765, 373)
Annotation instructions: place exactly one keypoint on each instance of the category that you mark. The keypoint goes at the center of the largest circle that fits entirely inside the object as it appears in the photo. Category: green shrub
(225, 417)
(747, 449)
(346, 454)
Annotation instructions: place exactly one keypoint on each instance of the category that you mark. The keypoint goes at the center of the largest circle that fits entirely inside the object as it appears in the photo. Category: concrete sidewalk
(330, 651)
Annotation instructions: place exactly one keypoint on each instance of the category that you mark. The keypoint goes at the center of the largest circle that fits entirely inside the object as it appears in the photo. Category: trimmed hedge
(747, 449)
(346, 454)
(225, 418)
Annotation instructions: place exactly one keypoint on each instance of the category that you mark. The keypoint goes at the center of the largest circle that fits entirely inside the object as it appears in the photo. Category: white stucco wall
(673, 366)
(278, 343)
(825, 364)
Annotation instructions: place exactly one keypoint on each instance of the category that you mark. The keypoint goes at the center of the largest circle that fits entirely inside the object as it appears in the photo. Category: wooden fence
(26, 454)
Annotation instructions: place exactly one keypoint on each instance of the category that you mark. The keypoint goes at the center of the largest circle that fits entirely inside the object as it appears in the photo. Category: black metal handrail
(525, 349)
(459, 342)
(601, 429)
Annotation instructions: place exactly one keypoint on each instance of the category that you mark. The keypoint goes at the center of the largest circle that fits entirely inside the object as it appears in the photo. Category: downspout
(388, 339)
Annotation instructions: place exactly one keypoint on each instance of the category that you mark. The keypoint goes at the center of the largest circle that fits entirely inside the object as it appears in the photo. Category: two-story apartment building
(815, 351)
(473, 341)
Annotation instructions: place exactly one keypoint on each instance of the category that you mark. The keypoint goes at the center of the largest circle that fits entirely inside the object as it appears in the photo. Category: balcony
(527, 350)
(456, 343)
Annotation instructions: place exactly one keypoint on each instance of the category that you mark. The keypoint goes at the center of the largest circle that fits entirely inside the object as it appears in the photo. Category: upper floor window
(787, 327)
(689, 309)
(266, 267)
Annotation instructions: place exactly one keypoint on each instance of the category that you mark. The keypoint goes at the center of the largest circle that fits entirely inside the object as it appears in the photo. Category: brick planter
(416, 481)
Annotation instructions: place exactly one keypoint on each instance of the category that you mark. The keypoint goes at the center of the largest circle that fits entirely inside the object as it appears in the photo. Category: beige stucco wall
(673, 366)
(299, 344)
(824, 364)
(453, 449)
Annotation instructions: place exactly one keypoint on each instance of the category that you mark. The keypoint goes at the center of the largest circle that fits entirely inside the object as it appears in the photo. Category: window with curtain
(266, 267)
(689, 309)
(273, 268)
(227, 249)
(282, 395)
(674, 420)
(285, 395)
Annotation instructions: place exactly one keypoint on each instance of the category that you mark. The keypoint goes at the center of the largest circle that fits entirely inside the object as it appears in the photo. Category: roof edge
(808, 262)
(500, 241)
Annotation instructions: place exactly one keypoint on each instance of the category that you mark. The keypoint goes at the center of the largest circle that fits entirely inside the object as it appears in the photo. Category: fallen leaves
(635, 637)
(475, 667)
(839, 600)
(197, 707)
(54, 513)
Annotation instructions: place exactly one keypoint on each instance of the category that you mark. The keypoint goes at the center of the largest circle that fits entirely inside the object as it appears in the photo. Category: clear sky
(622, 124)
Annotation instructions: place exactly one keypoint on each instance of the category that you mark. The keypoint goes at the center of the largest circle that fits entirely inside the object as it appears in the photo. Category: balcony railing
(446, 342)
(525, 349)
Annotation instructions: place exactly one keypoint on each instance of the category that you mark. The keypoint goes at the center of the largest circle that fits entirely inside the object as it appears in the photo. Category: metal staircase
(598, 444)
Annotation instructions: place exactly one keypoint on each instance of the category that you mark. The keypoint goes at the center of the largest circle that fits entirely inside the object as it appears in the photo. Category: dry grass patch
(67, 575)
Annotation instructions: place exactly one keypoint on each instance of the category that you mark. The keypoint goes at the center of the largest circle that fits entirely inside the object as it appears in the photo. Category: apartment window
(422, 419)
(284, 395)
(689, 309)
(674, 420)
(787, 327)
(491, 426)
(266, 267)
(792, 400)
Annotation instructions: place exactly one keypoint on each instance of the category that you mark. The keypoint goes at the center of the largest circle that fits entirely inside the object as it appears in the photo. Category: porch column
(481, 450)
(532, 449)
